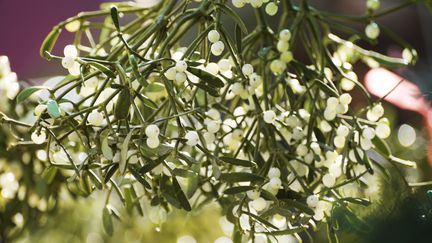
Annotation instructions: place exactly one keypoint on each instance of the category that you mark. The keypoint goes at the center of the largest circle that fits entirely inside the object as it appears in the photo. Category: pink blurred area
(24, 25)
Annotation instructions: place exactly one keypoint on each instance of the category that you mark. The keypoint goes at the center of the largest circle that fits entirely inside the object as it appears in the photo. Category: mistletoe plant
(176, 110)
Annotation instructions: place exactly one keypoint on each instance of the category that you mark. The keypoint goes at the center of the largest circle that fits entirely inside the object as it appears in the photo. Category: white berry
(152, 131)
(70, 51)
(247, 69)
(274, 172)
(192, 138)
(217, 48)
(68, 62)
(38, 137)
(181, 66)
(271, 9)
(269, 116)
(259, 204)
(213, 36)
(95, 118)
(372, 30)
(152, 142)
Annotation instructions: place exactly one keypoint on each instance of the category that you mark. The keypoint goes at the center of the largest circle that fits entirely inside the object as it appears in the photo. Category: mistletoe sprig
(231, 116)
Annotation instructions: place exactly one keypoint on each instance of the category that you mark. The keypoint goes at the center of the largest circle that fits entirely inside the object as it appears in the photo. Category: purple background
(24, 25)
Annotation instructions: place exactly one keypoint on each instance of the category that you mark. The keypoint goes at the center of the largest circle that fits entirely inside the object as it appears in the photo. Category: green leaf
(147, 101)
(124, 152)
(121, 110)
(114, 17)
(285, 232)
(153, 164)
(364, 161)
(327, 89)
(155, 87)
(106, 149)
(238, 38)
(49, 42)
(96, 180)
(107, 221)
(140, 178)
(239, 162)
(381, 146)
(359, 201)
(110, 172)
(210, 90)
(184, 173)
(234, 177)
(238, 189)
(207, 77)
(261, 220)
(27, 92)
(233, 14)
(180, 195)
(104, 69)
(331, 234)
(129, 199)
(136, 71)
(298, 205)
(49, 174)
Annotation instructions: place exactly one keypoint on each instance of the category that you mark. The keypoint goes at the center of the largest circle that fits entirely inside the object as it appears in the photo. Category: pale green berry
(372, 30)
(282, 46)
(256, 3)
(277, 66)
(373, 4)
(213, 36)
(285, 35)
(239, 3)
(286, 56)
(271, 9)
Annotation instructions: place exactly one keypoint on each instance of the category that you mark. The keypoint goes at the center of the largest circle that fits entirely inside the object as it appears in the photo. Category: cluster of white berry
(271, 6)
(70, 60)
(9, 86)
(217, 46)
(278, 66)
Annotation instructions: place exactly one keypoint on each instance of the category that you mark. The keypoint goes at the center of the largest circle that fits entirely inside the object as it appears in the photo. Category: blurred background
(24, 25)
